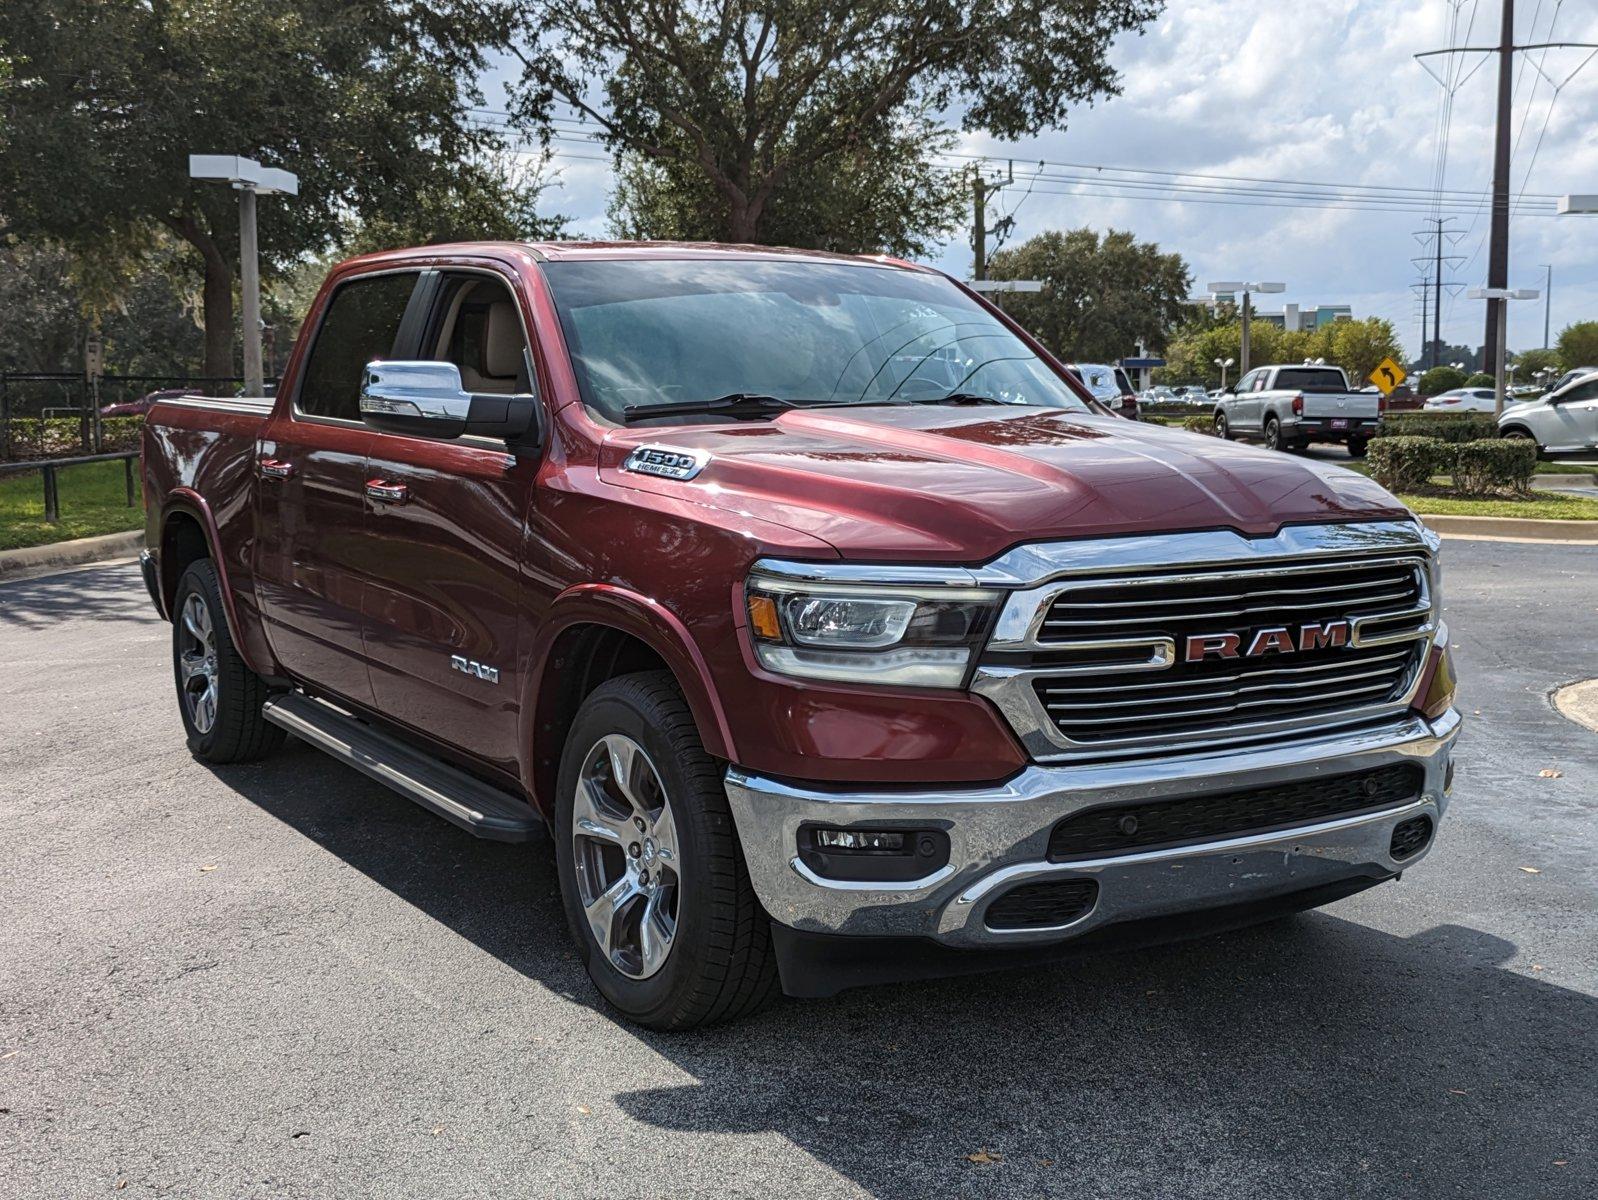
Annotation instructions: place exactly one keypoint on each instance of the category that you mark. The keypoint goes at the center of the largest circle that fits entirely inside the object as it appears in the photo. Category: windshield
(653, 332)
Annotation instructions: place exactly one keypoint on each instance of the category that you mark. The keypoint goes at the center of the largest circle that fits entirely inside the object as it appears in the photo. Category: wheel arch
(188, 533)
(596, 632)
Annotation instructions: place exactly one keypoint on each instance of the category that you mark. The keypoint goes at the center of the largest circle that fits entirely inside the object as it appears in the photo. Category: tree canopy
(750, 102)
(1101, 295)
(1578, 345)
(1356, 346)
(365, 100)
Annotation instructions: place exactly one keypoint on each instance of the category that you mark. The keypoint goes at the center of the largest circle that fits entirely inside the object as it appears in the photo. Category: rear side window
(361, 324)
(1311, 379)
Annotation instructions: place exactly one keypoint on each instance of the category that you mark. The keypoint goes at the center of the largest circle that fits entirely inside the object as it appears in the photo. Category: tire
(1223, 430)
(1357, 447)
(1524, 435)
(717, 963)
(1273, 434)
(226, 726)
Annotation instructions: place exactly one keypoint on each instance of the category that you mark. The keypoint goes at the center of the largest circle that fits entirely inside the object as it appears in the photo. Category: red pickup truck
(834, 632)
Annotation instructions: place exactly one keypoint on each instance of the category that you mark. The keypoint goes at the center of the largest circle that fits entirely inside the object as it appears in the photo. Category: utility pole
(981, 189)
(1498, 237)
(1548, 306)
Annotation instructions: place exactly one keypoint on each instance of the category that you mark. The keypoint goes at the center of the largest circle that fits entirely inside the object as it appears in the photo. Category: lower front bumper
(999, 838)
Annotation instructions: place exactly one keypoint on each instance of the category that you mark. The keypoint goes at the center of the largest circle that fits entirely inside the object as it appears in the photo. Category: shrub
(1440, 379)
(64, 437)
(1199, 424)
(1500, 464)
(1481, 379)
(1403, 464)
(1446, 427)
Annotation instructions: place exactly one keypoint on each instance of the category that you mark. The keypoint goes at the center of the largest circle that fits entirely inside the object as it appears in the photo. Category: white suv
(1564, 419)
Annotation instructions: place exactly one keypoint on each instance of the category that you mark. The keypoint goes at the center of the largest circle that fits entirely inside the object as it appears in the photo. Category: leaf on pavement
(584, 1109)
(209, 867)
(1550, 773)
(985, 1156)
(1458, 1092)
(1532, 870)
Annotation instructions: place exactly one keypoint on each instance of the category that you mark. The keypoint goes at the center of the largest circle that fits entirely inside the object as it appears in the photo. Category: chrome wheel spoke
(606, 909)
(664, 832)
(655, 934)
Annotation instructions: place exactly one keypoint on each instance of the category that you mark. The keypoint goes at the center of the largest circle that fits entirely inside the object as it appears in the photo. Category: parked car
(1192, 396)
(1476, 399)
(1566, 419)
(828, 658)
(1109, 386)
(1288, 407)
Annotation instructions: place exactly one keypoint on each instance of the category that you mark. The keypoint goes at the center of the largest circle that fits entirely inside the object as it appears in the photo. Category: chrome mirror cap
(426, 399)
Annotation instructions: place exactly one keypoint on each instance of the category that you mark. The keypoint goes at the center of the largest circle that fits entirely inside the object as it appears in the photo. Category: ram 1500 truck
(834, 632)
(1289, 407)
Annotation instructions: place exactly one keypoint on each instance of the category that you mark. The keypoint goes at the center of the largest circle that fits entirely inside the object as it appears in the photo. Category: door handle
(274, 468)
(384, 492)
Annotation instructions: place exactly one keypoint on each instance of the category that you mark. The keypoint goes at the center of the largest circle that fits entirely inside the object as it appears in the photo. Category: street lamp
(1577, 205)
(1502, 297)
(250, 179)
(1223, 363)
(1246, 288)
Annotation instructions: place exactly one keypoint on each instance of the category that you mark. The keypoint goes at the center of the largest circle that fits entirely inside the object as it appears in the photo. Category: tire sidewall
(1273, 433)
(619, 710)
(1223, 428)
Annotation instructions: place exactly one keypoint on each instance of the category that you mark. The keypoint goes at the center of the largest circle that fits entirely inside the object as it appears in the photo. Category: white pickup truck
(1289, 407)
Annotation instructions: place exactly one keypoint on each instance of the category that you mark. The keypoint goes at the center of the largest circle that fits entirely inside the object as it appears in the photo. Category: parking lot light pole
(1223, 363)
(1501, 297)
(250, 179)
(1245, 289)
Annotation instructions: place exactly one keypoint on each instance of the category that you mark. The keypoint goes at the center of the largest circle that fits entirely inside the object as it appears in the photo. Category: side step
(475, 806)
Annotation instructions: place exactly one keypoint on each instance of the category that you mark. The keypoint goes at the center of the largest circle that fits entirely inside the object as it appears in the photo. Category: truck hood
(965, 484)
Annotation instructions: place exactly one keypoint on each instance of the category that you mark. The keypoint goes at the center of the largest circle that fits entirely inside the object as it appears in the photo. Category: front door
(445, 595)
(1575, 419)
(312, 551)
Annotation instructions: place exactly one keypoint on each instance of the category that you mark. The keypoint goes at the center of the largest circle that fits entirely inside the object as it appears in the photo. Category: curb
(1515, 528)
(36, 560)
(1579, 702)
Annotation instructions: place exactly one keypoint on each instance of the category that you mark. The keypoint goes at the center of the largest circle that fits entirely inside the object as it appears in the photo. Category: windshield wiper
(734, 404)
(959, 398)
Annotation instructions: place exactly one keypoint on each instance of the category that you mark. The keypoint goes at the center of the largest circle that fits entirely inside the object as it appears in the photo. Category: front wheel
(219, 698)
(1523, 435)
(1222, 429)
(652, 877)
(1357, 447)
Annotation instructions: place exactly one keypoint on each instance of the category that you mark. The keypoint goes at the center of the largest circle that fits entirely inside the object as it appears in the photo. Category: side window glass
(478, 327)
(360, 324)
(1246, 384)
(1262, 381)
(1586, 391)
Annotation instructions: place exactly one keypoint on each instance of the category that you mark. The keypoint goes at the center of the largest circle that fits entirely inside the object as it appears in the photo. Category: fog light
(860, 841)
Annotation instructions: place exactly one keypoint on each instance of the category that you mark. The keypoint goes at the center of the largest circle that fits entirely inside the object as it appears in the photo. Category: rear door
(445, 595)
(312, 553)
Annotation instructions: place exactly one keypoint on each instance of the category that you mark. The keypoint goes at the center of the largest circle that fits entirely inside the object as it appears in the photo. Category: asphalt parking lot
(282, 980)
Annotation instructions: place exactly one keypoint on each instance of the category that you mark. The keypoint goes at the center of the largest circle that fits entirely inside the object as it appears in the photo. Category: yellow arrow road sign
(1387, 375)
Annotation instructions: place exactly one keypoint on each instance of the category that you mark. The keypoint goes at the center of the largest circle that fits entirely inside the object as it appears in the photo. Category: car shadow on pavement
(110, 593)
(1314, 1056)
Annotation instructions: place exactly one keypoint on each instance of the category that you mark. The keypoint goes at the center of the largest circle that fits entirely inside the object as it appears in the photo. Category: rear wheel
(1273, 434)
(652, 876)
(219, 698)
(1357, 447)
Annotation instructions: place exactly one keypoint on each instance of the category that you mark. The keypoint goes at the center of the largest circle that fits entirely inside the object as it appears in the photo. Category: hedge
(1199, 424)
(1501, 464)
(62, 437)
(1403, 464)
(1445, 427)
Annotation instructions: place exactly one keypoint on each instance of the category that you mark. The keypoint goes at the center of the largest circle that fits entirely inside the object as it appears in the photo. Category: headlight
(865, 634)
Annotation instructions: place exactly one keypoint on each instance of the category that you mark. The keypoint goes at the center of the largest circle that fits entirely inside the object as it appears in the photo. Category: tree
(1578, 346)
(1439, 380)
(1359, 347)
(758, 98)
(1529, 362)
(366, 100)
(1100, 297)
(883, 198)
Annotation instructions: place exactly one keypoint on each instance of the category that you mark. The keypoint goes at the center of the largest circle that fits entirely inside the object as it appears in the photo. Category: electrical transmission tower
(1431, 266)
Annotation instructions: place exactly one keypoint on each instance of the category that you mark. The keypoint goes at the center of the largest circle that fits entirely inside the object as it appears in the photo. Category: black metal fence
(46, 415)
(49, 477)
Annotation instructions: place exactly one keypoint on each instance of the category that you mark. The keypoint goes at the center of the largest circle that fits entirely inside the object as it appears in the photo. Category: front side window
(360, 324)
(652, 332)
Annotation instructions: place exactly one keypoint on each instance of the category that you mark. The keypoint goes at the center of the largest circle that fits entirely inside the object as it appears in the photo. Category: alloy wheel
(625, 850)
(197, 663)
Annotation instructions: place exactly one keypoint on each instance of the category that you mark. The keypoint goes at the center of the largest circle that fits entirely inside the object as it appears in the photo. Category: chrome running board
(479, 808)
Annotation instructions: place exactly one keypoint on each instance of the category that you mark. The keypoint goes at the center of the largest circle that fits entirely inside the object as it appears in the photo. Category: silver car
(1565, 419)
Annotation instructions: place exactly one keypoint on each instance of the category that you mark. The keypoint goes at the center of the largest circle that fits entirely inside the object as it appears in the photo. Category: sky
(1325, 91)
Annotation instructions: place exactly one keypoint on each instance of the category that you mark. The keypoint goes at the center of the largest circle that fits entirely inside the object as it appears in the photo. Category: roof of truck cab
(591, 251)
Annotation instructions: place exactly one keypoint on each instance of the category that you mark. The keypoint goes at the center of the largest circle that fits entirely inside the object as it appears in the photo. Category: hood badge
(1280, 639)
(667, 462)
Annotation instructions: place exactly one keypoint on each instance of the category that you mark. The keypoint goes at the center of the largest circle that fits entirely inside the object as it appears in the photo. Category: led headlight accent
(866, 634)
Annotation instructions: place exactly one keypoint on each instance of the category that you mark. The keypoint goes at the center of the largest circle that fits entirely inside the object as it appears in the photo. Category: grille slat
(1134, 710)
(1131, 828)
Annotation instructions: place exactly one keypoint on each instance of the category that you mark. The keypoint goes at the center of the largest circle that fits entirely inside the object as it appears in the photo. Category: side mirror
(426, 399)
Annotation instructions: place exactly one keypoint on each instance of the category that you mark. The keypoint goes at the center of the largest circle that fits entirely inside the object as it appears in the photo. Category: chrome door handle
(384, 492)
(274, 468)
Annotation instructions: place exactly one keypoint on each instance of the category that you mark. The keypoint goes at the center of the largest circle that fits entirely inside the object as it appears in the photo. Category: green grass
(93, 501)
(1543, 507)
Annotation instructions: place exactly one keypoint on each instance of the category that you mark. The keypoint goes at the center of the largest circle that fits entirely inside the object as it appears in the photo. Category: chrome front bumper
(999, 838)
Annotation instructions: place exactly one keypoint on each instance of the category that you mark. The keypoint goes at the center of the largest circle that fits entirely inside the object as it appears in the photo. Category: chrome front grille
(1112, 665)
